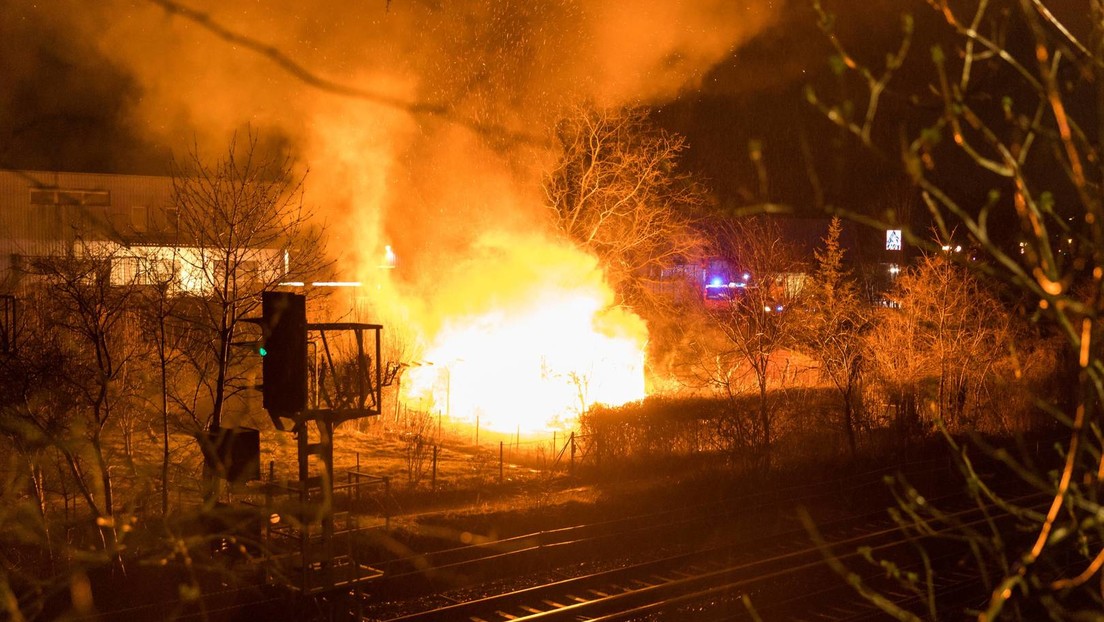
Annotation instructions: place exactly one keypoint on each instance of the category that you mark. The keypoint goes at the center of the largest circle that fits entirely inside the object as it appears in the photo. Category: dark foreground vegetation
(201, 561)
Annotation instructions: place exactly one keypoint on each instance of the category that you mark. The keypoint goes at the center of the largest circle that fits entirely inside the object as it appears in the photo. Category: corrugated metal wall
(128, 208)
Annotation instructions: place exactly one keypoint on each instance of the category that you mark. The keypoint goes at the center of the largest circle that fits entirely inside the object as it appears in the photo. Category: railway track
(782, 575)
(664, 533)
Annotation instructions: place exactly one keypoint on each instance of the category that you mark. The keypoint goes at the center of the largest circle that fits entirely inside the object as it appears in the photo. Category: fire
(541, 346)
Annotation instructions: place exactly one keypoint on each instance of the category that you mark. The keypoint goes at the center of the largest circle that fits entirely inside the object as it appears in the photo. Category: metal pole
(500, 445)
(304, 533)
(386, 505)
(362, 369)
(268, 508)
(573, 453)
(398, 392)
(378, 393)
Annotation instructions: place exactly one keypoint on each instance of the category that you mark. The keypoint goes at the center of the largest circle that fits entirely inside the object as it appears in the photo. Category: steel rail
(653, 587)
(500, 549)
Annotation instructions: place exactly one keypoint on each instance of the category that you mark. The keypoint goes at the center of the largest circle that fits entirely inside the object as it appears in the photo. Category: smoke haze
(428, 185)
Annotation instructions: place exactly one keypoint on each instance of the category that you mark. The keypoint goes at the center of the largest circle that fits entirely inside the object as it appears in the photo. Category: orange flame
(542, 345)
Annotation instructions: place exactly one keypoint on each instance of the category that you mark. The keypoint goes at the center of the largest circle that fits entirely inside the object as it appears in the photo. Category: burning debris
(536, 343)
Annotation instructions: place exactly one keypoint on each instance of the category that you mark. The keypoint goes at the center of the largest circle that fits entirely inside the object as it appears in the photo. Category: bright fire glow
(544, 347)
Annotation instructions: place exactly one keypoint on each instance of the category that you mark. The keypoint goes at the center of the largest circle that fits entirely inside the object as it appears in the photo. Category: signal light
(284, 352)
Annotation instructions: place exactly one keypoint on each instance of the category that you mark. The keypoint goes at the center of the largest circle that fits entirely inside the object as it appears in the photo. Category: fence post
(500, 445)
(268, 509)
(572, 441)
(555, 453)
(433, 480)
(386, 502)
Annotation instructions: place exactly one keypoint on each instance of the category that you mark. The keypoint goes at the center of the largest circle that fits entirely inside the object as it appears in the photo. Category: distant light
(778, 308)
(716, 282)
(746, 276)
(946, 247)
(732, 284)
(766, 308)
(321, 284)
(894, 269)
(262, 351)
(388, 258)
(958, 249)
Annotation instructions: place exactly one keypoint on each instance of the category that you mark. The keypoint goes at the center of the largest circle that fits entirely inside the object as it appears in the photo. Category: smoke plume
(444, 124)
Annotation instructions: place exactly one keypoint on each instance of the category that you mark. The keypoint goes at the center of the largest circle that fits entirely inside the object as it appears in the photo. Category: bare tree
(36, 405)
(158, 316)
(246, 218)
(762, 320)
(968, 328)
(725, 371)
(417, 438)
(897, 360)
(938, 343)
(86, 318)
(617, 192)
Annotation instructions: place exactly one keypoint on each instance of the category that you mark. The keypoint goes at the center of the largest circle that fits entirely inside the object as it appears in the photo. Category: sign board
(893, 239)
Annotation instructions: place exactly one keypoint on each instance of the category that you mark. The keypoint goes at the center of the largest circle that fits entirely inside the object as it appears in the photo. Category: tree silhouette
(617, 192)
(245, 216)
(763, 319)
(836, 319)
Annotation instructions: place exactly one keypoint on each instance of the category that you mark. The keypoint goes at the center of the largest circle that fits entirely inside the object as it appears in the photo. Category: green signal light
(262, 351)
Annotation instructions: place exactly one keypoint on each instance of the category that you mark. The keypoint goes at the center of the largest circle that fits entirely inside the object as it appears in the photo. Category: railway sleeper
(554, 604)
(578, 599)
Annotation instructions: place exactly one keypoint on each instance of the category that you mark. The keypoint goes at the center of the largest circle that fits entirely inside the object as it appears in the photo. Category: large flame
(538, 343)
